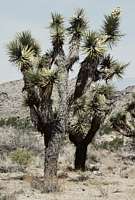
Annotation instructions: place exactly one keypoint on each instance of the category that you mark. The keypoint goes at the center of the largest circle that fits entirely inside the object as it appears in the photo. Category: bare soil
(110, 178)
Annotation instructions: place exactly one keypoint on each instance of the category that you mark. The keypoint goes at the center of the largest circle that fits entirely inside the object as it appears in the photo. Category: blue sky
(34, 15)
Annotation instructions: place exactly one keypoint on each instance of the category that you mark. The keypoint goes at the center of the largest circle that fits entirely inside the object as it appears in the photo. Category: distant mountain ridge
(11, 99)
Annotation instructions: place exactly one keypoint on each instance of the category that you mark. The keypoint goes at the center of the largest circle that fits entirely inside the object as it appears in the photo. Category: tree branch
(95, 125)
(87, 74)
(73, 56)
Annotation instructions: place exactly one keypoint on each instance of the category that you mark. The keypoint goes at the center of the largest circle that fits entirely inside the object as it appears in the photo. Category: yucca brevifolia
(88, 115)
(123, 121)
(98, 65)
(40, 74)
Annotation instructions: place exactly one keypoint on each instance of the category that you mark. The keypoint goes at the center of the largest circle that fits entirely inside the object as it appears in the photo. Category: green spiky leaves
(18, 54)
(111, 68)
(111, 27)
(42, 77)
(25, 38)
(57, 21)
(93, 45)
(106, 90)
(23, 49)
(57, 32)
(77, 26)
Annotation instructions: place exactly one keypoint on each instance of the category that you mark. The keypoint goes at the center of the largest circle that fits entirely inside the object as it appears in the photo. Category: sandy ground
(111, 179)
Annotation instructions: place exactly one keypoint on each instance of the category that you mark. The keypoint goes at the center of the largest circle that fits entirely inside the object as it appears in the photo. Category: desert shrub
(11, 121)
(113, 145)
(22, 157)
(2, 122)
(106, 129)
(16, 122)
(24, 123)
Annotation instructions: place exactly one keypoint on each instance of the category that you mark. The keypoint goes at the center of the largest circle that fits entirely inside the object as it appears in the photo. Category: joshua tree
(40, 74)
(43, 73)
(88, 115)
(123, 121)
(89, 109)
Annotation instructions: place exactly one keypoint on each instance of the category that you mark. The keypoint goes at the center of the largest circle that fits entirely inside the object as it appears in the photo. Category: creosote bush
(22, 157)
(16, 122)
(106, 130)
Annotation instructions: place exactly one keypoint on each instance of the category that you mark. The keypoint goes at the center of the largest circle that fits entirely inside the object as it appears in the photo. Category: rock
(97, 173)
(129, 173)
(93, 168)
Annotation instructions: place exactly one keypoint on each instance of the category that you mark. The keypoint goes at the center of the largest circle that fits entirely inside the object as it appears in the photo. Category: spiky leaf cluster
(93, 45)
(77, 26)
(26, 39)
(106, 90)
(23, 49)
(57, 31)
(42, 77)
(111, 26)
(110, 68)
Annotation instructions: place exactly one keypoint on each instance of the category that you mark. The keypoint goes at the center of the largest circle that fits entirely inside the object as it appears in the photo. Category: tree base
(80, 157)
(51, 185)
(45, 186)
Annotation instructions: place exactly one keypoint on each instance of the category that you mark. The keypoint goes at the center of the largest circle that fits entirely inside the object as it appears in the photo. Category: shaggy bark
(52, 147)
(50, 164)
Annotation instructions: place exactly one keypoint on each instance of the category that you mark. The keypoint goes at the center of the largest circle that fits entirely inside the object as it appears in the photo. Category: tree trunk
(82, 144)
(58, 131)
(50, 164)
(80, 157)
